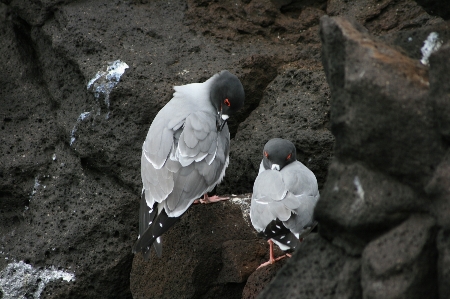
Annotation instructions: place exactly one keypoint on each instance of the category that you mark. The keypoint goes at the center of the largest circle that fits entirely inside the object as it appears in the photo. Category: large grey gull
(285, 193)
(185, 154)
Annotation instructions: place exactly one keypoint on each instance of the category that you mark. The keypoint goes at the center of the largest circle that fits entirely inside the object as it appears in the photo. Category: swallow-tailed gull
(285, 193)
(185, 154)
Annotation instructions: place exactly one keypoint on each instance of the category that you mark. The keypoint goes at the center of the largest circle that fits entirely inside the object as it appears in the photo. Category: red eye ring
(227, 102)
(266, 154)
(289, 156)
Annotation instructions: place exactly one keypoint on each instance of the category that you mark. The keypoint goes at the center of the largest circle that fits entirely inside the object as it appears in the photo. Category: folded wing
(183, 160)
(286, 197)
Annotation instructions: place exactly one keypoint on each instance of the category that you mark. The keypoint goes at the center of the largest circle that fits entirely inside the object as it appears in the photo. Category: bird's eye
(227, 102)
(266, 154)
(289, 156)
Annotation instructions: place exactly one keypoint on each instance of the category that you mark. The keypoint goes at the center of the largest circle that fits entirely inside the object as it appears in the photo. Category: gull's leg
(272, 260)
(210, 199)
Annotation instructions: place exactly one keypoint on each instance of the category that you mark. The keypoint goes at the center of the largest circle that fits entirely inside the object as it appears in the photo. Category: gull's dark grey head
(278, 153)
(227, 94)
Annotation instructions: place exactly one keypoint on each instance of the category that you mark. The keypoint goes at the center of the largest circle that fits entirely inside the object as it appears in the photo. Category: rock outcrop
(380, 205)
(82, 81)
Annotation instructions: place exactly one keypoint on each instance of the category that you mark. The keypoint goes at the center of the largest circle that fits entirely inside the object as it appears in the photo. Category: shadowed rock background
(341, 79)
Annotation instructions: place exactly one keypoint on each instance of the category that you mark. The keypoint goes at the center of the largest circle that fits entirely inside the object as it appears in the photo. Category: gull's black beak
(220, 121)
(223, 124)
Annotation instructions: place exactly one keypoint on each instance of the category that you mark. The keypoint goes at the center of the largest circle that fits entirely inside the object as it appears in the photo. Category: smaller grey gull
(285, 193)
(185, 154)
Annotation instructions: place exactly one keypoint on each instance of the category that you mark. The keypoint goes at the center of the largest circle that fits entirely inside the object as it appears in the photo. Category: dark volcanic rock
(361, 204)
(371, 83)
(402, 263)
(385, 16)
(436, 8)
(260, 279)
(439, 190)
(70, 158)
(198, 259)
(372, 111)
(439, 186)
(294, 107)
(276, 20)
(440, 67)
(240, 259)
(411, 41)
(386, 192)
(316, 270)
(69, 166)
(443, 263)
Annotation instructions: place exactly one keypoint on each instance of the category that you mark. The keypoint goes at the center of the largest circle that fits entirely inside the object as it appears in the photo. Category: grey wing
(156, 174)
(267, 204)
(303, 215)
(156, 171)
(202, 152)
(302, 196)
(182, 157)
(175, 185)
(159, 140)
(289, 195)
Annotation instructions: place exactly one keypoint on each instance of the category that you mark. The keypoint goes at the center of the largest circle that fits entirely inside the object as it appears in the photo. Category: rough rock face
(70, 154)
(205, 255)
(383, 201)
(317, 270)
(365, 115)
(409, 271)
(381, 17)
(295, 107)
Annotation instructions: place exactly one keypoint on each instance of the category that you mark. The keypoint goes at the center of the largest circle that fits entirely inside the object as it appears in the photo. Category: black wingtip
(273, 229)
(146, 254)
(159, 225)
(145, 249)
(158, 247)
(148, 233)
(137, 247)
(276, 230)
(289, 240)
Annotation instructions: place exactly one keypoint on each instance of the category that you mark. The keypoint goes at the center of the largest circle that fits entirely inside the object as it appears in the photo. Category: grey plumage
(283, 200)
(185, 153)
